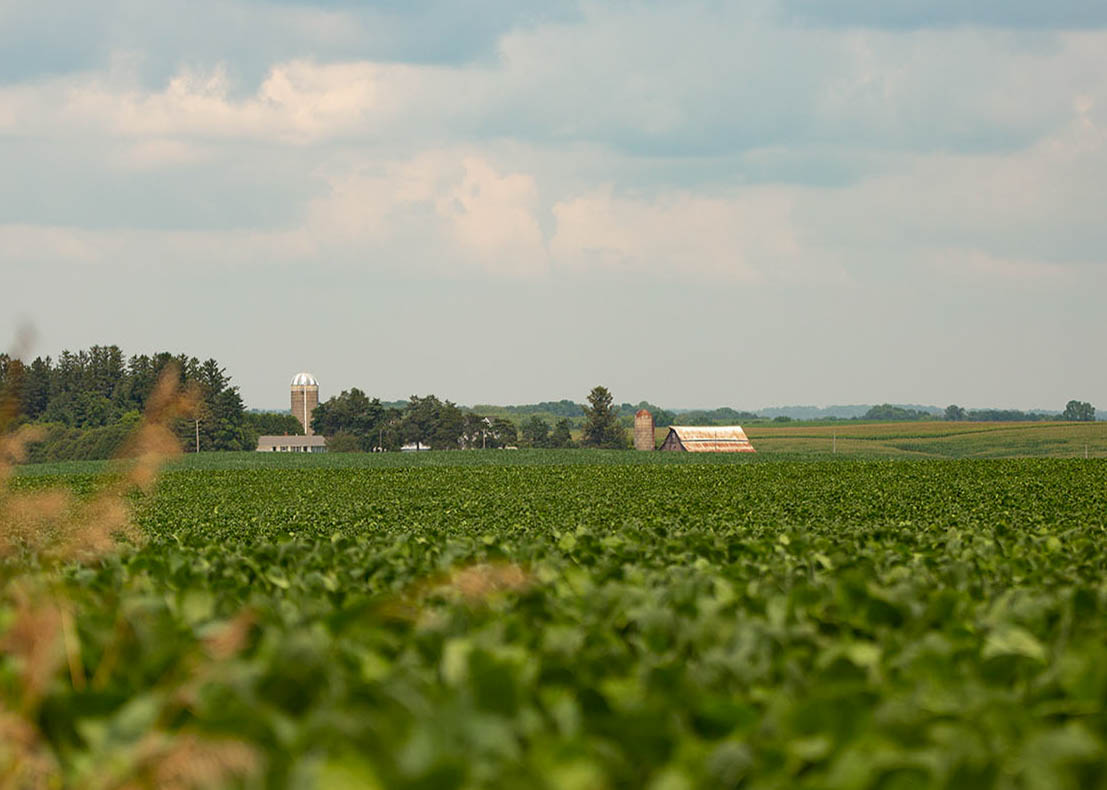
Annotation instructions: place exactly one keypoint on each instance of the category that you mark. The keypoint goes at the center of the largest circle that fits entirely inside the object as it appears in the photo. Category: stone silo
(305, 397)
(643, 431)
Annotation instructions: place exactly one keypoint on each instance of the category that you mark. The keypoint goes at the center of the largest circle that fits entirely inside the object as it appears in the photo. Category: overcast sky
(695, 203)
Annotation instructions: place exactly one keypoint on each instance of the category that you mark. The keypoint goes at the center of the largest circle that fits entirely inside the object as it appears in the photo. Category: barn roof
(269, 442)
(713, 439)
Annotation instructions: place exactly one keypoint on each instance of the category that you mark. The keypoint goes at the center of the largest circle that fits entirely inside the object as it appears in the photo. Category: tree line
(87, 402)
(354, 422)
(1075, 411)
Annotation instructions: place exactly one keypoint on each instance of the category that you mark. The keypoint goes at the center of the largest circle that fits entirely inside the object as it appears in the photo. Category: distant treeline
(88, 402)
(559, 408)
(1076, 411)
(353, 422)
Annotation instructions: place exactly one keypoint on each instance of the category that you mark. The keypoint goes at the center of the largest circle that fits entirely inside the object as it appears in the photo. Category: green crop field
(569, 621)
(936, 439)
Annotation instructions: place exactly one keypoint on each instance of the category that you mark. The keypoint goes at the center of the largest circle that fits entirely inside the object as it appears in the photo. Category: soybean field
(761, 624)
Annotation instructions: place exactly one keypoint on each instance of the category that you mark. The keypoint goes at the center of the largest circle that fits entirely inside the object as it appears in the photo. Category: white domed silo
(305, 397)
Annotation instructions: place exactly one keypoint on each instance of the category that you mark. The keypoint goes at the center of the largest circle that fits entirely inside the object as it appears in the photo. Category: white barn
(292, 444)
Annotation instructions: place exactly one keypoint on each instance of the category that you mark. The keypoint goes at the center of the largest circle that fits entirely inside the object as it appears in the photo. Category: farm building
(292, 444)
(643, 430)
(305, 397)
(697, 439)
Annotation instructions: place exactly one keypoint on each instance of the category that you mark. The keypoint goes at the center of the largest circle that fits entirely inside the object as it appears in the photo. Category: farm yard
(569, 620)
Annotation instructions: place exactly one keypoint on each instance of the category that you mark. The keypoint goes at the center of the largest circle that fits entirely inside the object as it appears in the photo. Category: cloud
(51, 37)
(747, 236)
(979, 267)
(752, 151)
(493, 218)
(729, 85)
(1040, 204)
(1031, 14)
(298, 102)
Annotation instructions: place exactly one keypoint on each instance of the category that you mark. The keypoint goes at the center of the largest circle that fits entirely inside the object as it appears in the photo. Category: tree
(954, 413)
(887, 411)
(348, 412)
(343, 442)
(1078, 411)
(536, 432)
(474, 431)
(269, 423)
(504, 433)
(36, 390)
(435, 423)
(601, 426)
(353, 413)
(562, 436)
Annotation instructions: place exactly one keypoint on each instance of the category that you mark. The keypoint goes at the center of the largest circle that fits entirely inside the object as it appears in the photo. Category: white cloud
(492, 218)
(747, 236)
(983, 268)
(299, 102)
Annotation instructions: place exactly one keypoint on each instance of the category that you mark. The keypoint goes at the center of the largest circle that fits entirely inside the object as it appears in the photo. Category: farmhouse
(696, 439)
(292, 444)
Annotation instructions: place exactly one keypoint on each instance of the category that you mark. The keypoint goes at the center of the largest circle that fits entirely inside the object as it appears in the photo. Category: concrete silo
(643, 430)
(305, 397)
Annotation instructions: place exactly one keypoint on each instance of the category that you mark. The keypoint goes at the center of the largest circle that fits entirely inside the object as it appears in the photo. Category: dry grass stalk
(24, 763)
(57, 527)
(32, 644)
(187, 762)
(474, 584)
(477, 583)
(232, 638)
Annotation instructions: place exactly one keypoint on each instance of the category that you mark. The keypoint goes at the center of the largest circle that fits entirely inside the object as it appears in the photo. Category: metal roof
(713, 439)
(267, 442)
(304, 380)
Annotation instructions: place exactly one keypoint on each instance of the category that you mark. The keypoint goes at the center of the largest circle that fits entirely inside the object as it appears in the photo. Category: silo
(643, 431)
(305, 397)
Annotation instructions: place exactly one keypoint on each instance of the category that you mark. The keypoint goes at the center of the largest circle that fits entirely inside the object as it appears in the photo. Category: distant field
(931, 439)
(906, 440)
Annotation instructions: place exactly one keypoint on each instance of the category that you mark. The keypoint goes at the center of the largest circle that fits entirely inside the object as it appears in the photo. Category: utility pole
(197, 436)
(834, 443)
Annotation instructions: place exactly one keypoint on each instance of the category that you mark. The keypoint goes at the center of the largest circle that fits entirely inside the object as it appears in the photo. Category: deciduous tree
(1078, 411)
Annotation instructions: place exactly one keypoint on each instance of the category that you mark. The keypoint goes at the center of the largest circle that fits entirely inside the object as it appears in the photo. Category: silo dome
(304, 380)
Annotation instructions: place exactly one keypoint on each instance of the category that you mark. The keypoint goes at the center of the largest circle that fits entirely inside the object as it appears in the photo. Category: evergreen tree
(601, 426)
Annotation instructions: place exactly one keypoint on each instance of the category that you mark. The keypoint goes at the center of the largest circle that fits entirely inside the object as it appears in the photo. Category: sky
(504, 201)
